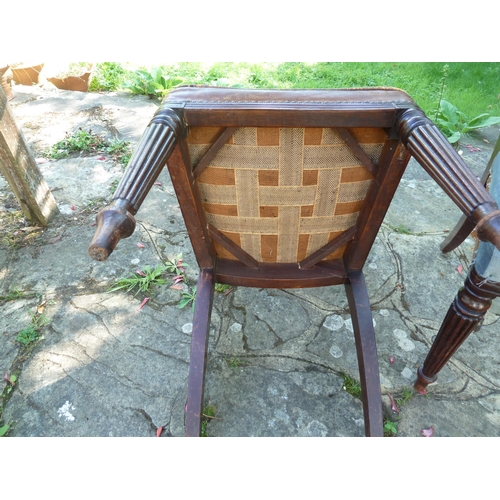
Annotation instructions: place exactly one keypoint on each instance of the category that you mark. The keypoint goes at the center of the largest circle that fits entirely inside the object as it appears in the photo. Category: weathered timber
(20, 170)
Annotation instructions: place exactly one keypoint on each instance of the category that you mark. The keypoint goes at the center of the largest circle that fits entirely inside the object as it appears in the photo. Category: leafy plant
(107, 76)
(453, 123)
(390, 428)
(119, 149)
(222, 287)
(151, 83)
(176, 265)
(32, 332)
(4, 429)
(80, 141)
(141, 280)
(84, 142)
(188, 298)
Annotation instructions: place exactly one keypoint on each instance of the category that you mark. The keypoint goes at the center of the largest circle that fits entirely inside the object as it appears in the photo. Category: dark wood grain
(198, 355)
(366, 349)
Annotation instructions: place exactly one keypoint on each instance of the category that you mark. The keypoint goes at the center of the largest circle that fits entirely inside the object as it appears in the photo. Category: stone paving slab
(277, 358)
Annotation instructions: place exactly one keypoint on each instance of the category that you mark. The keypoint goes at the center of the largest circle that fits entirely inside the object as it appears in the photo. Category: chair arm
(116, 221)
(438, 157)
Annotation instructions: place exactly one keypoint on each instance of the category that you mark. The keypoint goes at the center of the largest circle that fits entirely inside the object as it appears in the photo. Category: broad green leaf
(4, 429)
(454, 137)
(449, 112)
(486, 122)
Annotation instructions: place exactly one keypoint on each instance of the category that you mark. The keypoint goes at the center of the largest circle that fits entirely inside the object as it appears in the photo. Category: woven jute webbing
(283, 193)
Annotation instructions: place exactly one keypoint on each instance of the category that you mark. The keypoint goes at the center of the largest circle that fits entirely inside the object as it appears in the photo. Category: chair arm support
(438, 157)
(116, 221)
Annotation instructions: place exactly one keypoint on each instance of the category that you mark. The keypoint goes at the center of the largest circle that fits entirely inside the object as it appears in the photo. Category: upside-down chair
(287, 189)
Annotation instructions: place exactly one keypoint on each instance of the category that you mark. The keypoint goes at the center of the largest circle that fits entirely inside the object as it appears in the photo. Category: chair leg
(199, 345)
(465, 313)
(359, 305)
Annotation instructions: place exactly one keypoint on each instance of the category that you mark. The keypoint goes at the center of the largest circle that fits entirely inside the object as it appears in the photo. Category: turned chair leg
(366, 349)
(199, 346)
(465, 313)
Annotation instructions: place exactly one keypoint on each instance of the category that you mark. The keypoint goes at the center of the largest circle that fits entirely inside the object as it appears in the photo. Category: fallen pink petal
(177, 287)
(178, 279)
(391, 359)
(143, 303)
(140, 245)
(393, 403)
(42, 160)
(157, 183)
(7, 378)
(423, 392)
(428, 432)
(159, 431)
(140, 273)
(460, 269)
(101, 158)
(72, 207)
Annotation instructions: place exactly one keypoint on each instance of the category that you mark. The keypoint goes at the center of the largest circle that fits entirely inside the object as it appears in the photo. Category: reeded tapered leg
(199, 345)
(466, 311)
(364, 334)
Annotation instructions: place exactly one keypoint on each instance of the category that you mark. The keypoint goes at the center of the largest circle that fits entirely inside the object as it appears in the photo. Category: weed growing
(222, 288)
(151, 83)
(32, 332)
(107, 76)
(351, 386)
(188, 297)
(141, 281)
(390, 428)
(88, 143)
(207, 414)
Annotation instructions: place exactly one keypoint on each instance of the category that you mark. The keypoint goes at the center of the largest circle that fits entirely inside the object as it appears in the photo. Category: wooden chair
(287, 189)
(481, 286)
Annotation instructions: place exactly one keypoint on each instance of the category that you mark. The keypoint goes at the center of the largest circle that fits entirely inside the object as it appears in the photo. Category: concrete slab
(277, 358)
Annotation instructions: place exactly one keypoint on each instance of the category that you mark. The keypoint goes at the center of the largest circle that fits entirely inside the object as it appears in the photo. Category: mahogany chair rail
(288, 189)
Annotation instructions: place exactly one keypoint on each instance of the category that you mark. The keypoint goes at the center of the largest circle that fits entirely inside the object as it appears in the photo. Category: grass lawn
(474, 88)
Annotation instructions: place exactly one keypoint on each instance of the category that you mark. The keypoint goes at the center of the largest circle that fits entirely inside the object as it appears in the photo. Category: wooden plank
(392, 163)
(214, 149)
(190, 203)
(232, 247)
(20, 170)
(366, 349)
(198, 357)
(270, 275)
(329, 248)
(358, 151)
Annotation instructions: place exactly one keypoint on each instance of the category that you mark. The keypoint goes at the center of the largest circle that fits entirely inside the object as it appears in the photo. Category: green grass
(472, 87)
(208, 414)
(141, 281)
(351, 386)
